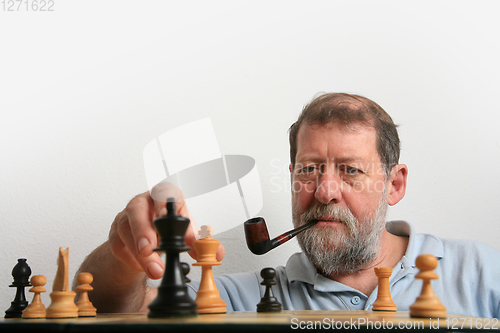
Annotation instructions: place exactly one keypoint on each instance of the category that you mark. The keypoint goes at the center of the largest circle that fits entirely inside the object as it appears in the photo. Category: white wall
(84, 88)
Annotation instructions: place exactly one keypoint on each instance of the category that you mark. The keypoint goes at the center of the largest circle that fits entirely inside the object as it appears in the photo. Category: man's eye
(307, 169)
(350, 170)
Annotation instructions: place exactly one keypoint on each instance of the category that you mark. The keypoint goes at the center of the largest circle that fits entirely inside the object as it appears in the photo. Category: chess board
(249, 321)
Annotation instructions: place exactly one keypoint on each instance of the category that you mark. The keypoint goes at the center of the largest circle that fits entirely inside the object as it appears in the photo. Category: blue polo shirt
(468, 284)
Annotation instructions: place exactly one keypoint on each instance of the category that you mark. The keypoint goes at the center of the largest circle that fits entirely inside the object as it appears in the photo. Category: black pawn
(21, 273)
(185, 270)
(173, 299)
(268, 303)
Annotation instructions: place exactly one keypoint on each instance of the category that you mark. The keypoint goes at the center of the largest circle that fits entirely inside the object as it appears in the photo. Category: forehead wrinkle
(355, 159)
(310, 158)
(319, 152)
(319, 159)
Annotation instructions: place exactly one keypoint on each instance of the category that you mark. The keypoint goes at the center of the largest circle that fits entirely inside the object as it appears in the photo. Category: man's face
(338, 179)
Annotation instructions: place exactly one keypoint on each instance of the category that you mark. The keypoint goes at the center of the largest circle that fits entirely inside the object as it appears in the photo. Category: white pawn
(427, 304)
(85, 307)
(36, 309)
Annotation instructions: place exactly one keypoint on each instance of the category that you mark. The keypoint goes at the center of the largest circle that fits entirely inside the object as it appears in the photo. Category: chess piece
(85, 307)
(63, 300)
(21, 273)
(173, 299)
(207, 297)
(384, 301)
(36, 309)
(427, 304)
(185, 270)
(268, 303)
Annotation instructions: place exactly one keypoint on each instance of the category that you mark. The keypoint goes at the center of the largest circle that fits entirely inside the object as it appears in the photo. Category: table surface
(250, 321)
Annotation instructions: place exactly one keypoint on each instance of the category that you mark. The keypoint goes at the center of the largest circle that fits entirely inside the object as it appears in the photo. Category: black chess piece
(268, 303)
(185, 270)
(21, 273)
(173, 299)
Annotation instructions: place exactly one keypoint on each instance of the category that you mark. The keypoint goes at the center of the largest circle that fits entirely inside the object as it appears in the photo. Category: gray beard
(341, 252)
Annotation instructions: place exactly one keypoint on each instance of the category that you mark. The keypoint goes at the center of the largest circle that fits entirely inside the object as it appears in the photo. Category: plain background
(85, 87)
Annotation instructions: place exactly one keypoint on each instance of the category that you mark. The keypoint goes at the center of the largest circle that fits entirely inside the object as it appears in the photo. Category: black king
(173, 299)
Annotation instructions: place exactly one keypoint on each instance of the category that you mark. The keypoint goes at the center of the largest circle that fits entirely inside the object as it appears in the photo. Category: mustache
(329, 212)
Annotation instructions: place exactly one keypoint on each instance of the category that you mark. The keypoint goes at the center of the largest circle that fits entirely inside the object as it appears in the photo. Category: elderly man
(345, 171)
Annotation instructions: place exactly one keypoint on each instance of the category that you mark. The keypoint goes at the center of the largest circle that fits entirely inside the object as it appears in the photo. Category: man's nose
(328, 188)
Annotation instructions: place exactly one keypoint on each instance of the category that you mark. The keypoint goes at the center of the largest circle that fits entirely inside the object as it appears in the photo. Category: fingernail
(155, 271)
(142, 243)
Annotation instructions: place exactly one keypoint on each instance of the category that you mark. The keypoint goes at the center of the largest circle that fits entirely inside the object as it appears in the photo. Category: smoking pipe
(257, 235)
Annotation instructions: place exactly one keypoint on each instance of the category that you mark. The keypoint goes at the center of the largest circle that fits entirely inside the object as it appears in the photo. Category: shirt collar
(299, 268)
(418, 243)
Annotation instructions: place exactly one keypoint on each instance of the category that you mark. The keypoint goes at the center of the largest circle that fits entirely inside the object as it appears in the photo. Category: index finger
(140, 214)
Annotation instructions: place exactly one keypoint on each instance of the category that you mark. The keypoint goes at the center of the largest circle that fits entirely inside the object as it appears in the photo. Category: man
(344, 152)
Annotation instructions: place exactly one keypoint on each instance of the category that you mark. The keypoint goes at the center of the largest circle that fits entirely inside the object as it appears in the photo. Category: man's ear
(396, 188)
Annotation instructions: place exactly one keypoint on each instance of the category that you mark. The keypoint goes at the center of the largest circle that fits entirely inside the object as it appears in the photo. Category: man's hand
(133, 237)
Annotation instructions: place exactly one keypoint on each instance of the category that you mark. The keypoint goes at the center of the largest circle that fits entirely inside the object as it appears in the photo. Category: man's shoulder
(465, 248)
(457, 253)
(441, 247)
(455, 245)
